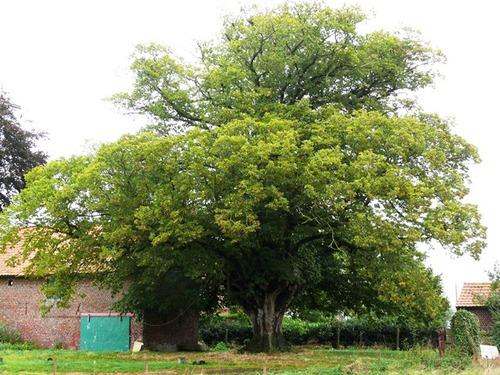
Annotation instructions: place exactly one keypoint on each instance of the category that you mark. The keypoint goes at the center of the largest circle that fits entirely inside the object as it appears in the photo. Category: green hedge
(298, 332)
(465, 329)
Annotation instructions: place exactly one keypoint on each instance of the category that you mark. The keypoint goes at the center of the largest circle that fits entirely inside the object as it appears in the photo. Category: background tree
(297, 179)
(18, 154)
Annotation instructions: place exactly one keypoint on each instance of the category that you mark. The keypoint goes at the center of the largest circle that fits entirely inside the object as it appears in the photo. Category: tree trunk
(266, 318)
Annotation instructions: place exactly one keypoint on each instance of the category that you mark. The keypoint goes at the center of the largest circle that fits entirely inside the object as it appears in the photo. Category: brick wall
(484, 315)
(162, 331)
(19, 308)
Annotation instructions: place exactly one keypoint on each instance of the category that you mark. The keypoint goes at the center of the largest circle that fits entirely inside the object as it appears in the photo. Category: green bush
(495, 333)
(220, 347)
(494, 307)
(465, 329)
(9, 335)
(486, 338)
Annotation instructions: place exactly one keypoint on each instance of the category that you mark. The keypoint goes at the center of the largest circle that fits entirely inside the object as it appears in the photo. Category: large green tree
(293, 178)
(260, 211)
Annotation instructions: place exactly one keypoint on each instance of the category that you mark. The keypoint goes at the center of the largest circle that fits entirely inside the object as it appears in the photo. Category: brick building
(89, 322)
(473, 298)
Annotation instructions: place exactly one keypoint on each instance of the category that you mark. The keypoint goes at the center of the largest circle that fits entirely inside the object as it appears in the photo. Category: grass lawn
(312, 360)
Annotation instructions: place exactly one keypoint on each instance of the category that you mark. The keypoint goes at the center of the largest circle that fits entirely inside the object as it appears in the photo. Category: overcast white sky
(60, 59)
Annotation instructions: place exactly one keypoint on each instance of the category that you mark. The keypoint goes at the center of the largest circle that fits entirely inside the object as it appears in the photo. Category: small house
(473, 298)
(89, 322)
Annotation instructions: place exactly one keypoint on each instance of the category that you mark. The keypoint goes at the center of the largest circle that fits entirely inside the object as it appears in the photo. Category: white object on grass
(137, 346)
(489, 351)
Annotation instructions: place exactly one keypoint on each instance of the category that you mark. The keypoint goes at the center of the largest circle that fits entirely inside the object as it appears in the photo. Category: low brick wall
(20, 309)
(484, 315)
(165, 331)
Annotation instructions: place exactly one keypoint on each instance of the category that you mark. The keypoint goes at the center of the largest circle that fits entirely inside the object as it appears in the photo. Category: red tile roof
(5, 268)
(18, 269)
(474, 294)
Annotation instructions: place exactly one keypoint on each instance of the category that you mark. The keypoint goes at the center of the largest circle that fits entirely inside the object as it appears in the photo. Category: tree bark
(267, 318)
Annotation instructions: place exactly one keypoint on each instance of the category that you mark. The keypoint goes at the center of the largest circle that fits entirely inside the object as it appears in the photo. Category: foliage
(136, 194)
(493, 304)
(9, 335)
(352, 332)
(17, 151)
(214, 329)
(296, 182)
(220, 347)
(320, 217)
(276, 62)
(465, 329)
(494, 276)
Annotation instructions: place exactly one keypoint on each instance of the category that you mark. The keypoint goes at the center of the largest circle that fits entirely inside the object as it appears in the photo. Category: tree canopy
(268, 62)
(18, 153)
(259, 210)
(293, 180)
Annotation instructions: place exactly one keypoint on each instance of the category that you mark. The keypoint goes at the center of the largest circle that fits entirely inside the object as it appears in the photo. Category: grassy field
(301, 361)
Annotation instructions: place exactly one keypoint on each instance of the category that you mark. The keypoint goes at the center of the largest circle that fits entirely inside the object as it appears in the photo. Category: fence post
(441, 341)
(397, 338)
(338, 337)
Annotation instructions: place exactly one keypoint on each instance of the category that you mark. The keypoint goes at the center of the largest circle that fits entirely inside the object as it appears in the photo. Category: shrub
(9, 335)
(494, 307)
(486, 338)
(220, 347)
(465, 329)
(58, 345)
(495, 333)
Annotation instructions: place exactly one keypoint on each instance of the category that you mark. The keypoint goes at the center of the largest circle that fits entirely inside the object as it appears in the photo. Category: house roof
(7, 269)
(16, 269)
(474, 294)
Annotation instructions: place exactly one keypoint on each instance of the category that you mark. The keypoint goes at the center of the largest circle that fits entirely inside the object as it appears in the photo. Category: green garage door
(105, 333)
